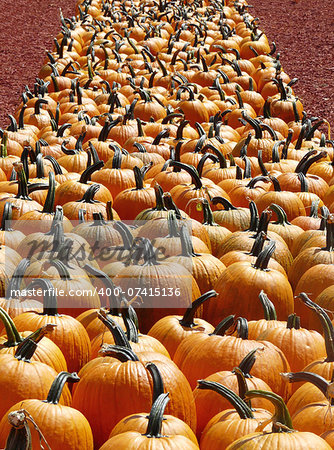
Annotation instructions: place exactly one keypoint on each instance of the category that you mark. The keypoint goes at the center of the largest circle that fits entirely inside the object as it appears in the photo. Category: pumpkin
(22, 378)
(228, 425)
(209, 403)
(282, 434)
(316, 416)
(74, 344)
(103, 382)
(200, 355)
(171, 330)
(50, 416)
(243, 281)
(138, 422)
(131, 439)
(47, 351)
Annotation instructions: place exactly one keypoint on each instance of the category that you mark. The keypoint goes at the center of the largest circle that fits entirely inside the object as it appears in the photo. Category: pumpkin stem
(242, 385)
(329, 234)
(326, 323)
(268, 307)
(170, 205)
(293, 321)
(242, 328)
(125, 233)
(208, 218)
(86, 175)
(253, 123)
(119, 336)
(49, 203)
(58, 384)
(281, 415)
(26, 350)
(173, 228)
(188, 317)
(324, 213)
(282, 218)
(202, 161)
(19, 437)
(22, 180)
(15, 282)
(254, 217)
(3, 146)
(247, 363)
(48, 293)
(317, 380)
(121, 353)
(160, 205)
(158, 382)
(156, 416)
(223, 326)
(258, 244)
(186, 243)
(264, 257)
(89, 195)
(13, 336)
(192, 172)
(223, 201)
(264, 221)
(238, 404)
(114, 303)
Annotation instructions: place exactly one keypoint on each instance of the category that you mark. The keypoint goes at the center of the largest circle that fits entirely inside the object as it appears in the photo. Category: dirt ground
(303, 32)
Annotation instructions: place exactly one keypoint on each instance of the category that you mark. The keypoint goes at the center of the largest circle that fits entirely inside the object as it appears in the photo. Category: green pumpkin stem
(114, 300)
(242, 386)
(258, 244)
(247, 363)
(158, 383)
(15, 282)
(262, 260)
(121, 353)
(326, 323)
(119, 336)
(317, 380)
(329, 234)
(49, 203)
(3, 146)
(223, 201)
(156, 416)
(223, 326)
(293, 321)
(13, 336)
(58, 384)
(22, 180)
(242, 328)
(282, 218)
(86, 174)
(26, 350)
(50, 307)
(238, 404)
(188, 317)
(281, 419)
(173, 227)
(6, 221)
(268, 307)
(208, 218)
(19, 437)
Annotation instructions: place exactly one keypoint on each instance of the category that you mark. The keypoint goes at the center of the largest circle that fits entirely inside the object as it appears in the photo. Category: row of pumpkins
(167, 240)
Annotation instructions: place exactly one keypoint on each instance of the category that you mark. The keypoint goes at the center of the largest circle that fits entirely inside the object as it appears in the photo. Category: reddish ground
(27, 31)
(303, 32)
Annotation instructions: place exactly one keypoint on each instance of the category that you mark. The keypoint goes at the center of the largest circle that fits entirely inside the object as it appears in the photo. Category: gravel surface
(27, 31)
(303, 32)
